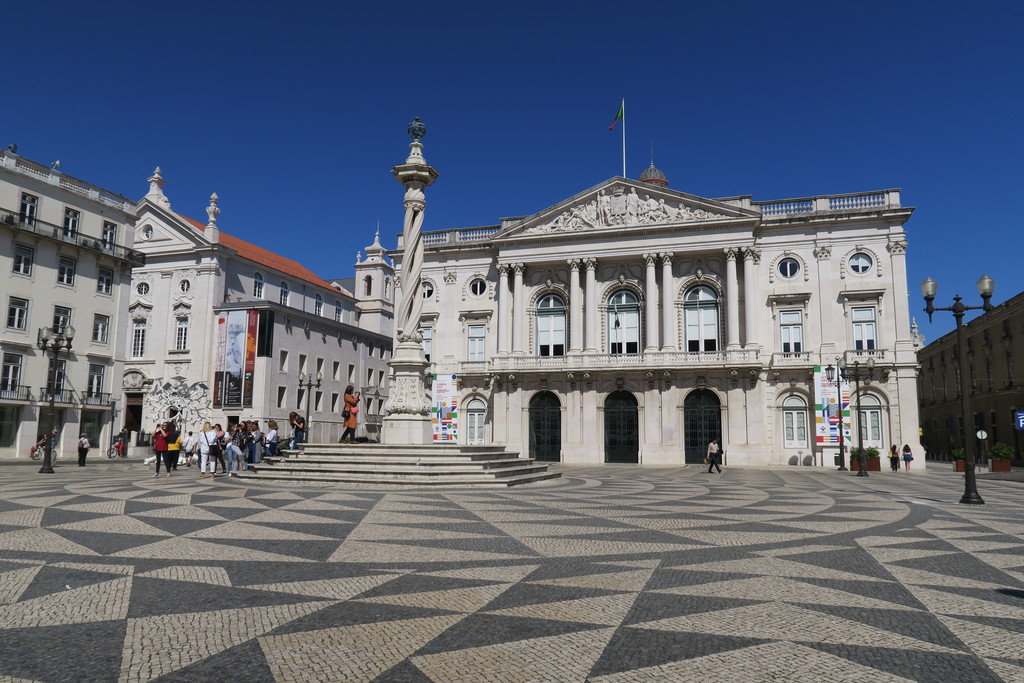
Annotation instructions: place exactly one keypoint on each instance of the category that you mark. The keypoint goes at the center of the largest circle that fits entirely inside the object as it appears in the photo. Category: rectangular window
(351, 372)
(336, 371)
(320, 366)
(23, 259)
(66, 271)
(29, 208)
(95, 386)
(139, 339)
(623, 331)
(282, 393)
(791, 323)
(428, 338)
(17, 313)
(109, 234)
(56, 371)
(283, 361)
(369, 377)
(476, 342)
(10, 421)
(302, 363)
(10, 376)
(300, 398)
(795, 428)
(61, 318)
(337, 312)
(864, 338)
(105, 281)
(181, 333)
(551, 334)
(100, 328)
(318, 398)
(72, 219)
(380, 378)
(334, 402)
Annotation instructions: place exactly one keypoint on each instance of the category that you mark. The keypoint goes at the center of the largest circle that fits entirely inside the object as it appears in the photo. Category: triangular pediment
(158, 230)
(623, 203)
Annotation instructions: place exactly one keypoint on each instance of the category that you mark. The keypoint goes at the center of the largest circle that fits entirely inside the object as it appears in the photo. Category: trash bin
(838, 461)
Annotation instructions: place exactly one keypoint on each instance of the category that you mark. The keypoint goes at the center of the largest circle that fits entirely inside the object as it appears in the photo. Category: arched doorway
(545, 427)
(621, 428)
(476, 416)
(702, 422)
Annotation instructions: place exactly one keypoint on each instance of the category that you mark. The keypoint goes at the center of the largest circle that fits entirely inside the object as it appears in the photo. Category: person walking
(272, 437)
(236, 445)
(894, 458)
(349, 413)
(714, 456)
(908, 457)
(222, 443)
(173, 446)
(298, 434)
(160, 434)
(83, 449)
(189, 448)
(208, 451)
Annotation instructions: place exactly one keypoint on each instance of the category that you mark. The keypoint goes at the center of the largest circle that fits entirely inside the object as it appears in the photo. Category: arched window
(794, 422)
(337, 311)
(318, 305)
(623, 322)
(368, 285)
(476, 414)
(700, 308)
(257, 286)
(387, 287)
(870, 422)
(551, 326)
(284, 293)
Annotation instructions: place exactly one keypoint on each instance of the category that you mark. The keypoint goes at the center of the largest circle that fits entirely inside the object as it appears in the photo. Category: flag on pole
(618, 115)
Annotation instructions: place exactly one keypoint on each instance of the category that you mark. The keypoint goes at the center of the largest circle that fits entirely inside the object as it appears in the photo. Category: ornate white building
(222, 329)
(66, 260)
(634, 323)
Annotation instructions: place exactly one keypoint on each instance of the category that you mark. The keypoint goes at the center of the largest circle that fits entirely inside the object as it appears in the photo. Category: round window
(147, 232)
(860, 263)
(185, 286)
(142, 289)
(478, 287)
(428, 290)
(789, 267)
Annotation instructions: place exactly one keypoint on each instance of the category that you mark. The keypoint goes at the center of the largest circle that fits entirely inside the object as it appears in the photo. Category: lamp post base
(862, 473)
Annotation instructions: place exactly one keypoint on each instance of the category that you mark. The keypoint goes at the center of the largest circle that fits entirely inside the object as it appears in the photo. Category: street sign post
(1020, 421)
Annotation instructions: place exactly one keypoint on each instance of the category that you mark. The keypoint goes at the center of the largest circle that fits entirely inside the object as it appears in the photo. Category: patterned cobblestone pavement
(608, 574)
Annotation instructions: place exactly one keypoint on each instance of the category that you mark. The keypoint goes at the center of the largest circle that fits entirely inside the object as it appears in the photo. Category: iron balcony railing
(57, 232)
(94, 398)
(66, 396)
(15, 392)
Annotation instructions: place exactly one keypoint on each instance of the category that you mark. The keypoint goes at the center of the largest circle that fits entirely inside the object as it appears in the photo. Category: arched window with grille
(551, 326)
(257, 286)
(284, 293)
(794, 422)
(623, 322)
(700, 311)
(368, 285)
(476, 414)
(870, 421)
(318, 305)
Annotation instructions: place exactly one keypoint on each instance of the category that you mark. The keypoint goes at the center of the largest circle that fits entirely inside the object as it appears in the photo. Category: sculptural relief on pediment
(617, 206)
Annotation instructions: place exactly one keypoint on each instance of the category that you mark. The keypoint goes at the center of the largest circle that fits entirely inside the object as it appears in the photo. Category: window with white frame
(864, 330)
(10, 375)
(792, 331)
(428, 290)
(318, 305)
(368, 285)
(100, 328)
(139, 339)
(700, 310)
(57, 371)
(870, 422)
(66, 271)
(72, 219)
(428, 338)
(794, 422)
(551, 326)
(61, 318)
(109, 234)
(181, 333)
(477, 287)
(95, 385)
(257, 286)
(29, 208)
(476, 343)
(17, 313)
(789, 267)
(23, 257)
(476, 418)
(284, 294)
(861, 263)
(623, 322)
(105, 281)
(337, 311)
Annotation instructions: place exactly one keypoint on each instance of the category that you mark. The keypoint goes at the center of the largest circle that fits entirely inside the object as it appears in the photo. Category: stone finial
(359, 256)
(213, 211)
(156, 190)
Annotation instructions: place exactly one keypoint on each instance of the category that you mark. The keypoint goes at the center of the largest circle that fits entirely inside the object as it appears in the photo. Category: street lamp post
(309, 382)
(858, 375)
(986, 286)
(830, 373)
(54, 341)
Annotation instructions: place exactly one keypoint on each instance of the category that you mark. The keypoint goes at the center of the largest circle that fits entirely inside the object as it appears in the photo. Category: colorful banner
(234, 357)
(218, 368)
(444, 412)
(250, 357)
(831, 409)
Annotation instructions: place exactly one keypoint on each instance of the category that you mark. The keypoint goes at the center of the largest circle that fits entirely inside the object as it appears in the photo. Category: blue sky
(294, 113)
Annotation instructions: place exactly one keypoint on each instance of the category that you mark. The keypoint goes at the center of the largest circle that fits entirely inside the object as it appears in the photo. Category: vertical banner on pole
(831, 409)
(252, 318)
(444, 412)
(234, 357)
(219, 351)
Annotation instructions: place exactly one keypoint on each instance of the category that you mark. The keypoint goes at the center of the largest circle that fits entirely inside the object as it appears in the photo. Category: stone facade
(633, 323)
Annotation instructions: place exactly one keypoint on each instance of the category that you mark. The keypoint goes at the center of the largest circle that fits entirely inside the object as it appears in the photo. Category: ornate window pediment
(140, 311)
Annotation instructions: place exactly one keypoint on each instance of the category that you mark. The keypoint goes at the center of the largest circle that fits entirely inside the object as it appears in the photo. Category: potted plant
(872, 455)
(958, 456)
(999, 457)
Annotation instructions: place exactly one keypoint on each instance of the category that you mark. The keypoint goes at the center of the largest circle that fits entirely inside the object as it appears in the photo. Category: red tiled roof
(265, 257)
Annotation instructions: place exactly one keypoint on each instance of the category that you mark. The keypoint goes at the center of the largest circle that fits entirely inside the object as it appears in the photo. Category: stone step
(449, 479)
(400, 461)
(498, 469)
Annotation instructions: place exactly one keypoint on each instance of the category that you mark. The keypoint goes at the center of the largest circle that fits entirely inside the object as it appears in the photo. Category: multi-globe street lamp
(309, 382)
(832, 376)
(858, 375)
(54, 341)
(986, 286)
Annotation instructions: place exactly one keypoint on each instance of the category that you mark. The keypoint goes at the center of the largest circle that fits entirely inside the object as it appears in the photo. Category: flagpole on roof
(623, 137)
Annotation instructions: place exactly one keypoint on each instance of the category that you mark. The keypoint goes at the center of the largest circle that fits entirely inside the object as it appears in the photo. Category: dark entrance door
(702, 417)
(545, 427)
(621, 428)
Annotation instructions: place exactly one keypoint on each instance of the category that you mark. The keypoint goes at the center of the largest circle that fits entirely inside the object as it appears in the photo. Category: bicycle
(118, 450)
(36, 452)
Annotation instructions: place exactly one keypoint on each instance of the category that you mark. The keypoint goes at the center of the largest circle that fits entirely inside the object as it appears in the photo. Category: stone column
(651, 307)
(732, 300)
(751, 257)
(668, 303)
(504, 310)
(575, 307)
(518, 307)
(591, 304)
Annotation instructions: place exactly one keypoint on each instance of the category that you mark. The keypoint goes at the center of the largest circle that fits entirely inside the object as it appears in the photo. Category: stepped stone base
(396, 465)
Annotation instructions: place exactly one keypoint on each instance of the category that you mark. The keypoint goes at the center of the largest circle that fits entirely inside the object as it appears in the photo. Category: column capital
(651, 258)
(823, 252)
(504, 268)
(750, 254)
(731, 253)
(666, 257)
(574, 264)
(591, 263)
(518, 268)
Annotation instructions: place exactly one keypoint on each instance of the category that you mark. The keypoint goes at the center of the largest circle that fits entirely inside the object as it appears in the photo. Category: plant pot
(998, 465)
(958, 466)
(873, 465)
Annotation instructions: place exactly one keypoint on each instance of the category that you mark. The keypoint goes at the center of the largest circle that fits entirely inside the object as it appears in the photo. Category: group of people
(895, 456)
(244, 444)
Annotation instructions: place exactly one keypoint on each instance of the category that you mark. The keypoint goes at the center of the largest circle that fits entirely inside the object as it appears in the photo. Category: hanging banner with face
(218, 368)
(444, 413)
(831, 408)
(237, 329)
